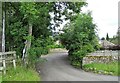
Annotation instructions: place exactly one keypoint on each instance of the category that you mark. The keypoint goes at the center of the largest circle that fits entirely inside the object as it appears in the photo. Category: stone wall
(101, 58)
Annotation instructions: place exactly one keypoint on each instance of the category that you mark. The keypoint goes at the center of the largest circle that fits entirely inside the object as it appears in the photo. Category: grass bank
(103, 68)
(21, 74)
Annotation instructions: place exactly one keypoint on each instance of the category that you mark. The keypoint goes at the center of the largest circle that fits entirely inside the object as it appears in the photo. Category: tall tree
(107, 37)
(30, 13)
(27, 21)
(80, 38)
(65, 11)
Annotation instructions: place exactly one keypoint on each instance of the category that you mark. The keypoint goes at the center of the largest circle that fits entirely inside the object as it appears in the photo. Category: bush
(76, 64)
(80, 38)
(39, 46)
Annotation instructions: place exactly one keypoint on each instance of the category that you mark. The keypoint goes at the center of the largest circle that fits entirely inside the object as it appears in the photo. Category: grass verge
(103, 68)
(21, 74)
(0, 78)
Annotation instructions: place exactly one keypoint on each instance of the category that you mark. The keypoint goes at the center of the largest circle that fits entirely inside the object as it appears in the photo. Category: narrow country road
(58, 68)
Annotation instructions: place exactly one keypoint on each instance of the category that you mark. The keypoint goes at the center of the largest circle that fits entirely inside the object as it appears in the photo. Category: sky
(105, 16)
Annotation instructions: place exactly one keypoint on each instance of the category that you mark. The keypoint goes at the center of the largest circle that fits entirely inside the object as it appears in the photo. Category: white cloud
(105, 15)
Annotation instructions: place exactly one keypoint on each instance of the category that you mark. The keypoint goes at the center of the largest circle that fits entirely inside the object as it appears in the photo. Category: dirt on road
(58, 68)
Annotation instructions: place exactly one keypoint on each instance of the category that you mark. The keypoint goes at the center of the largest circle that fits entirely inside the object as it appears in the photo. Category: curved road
(58, 68)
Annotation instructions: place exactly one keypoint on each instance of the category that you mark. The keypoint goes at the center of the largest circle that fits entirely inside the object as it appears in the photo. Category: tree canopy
(80, 38)
(31, 22)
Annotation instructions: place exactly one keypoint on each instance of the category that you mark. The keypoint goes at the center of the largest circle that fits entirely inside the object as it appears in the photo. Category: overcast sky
(105, 15)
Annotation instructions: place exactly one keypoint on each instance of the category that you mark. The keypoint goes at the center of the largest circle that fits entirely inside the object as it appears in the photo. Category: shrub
(39, 46)
(80, 38)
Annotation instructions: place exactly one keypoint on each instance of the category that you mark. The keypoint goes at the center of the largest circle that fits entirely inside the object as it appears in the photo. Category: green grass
(102, 68)
(21, 74)
(0, 78)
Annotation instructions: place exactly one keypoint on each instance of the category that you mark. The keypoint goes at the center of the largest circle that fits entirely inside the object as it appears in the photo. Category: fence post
(4, 67)
(14, 64)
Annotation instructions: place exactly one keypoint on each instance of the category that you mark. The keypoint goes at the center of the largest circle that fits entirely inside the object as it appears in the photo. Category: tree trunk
(30, 35)
(28, 45)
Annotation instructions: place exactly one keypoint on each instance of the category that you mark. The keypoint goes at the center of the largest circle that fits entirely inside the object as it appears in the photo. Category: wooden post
(14, 64)
(4, 67)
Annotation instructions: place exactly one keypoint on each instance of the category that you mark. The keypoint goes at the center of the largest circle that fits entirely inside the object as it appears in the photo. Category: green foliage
(32, 56)
(62, 8)
(76, 64)
(114, 40)
(21, 74)
(18, 16)
(40, 46)
(103, 68)
(15, 33)
(80, 38)
(29, 11)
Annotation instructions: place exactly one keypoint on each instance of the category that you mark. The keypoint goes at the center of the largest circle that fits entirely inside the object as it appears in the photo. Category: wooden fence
(7, 57)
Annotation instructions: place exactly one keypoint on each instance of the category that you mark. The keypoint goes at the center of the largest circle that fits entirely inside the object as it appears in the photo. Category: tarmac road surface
(58, 68)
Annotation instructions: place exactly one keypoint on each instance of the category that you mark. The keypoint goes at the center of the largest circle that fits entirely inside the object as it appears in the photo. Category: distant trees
(107, 37)
(102, 38)
(115, 39)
